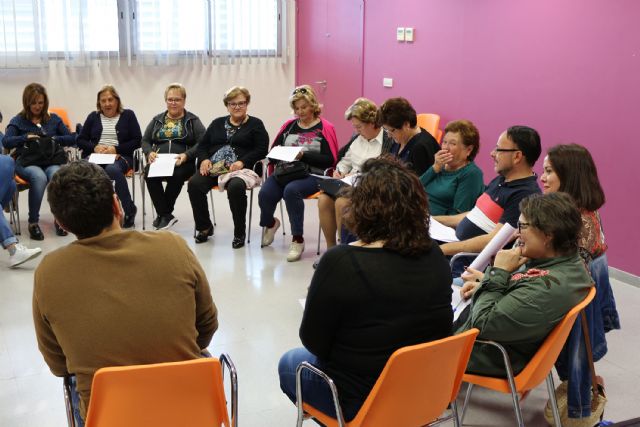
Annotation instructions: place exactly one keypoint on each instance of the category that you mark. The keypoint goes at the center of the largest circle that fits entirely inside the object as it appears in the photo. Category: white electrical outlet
(400, 34)
(387, 82)
(409, 34)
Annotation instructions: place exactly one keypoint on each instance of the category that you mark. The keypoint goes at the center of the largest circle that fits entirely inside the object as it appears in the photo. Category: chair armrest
(505, 357)
(334, 391)
(233, 375)
(264, 164)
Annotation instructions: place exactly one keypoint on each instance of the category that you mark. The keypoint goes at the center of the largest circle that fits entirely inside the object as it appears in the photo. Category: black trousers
(164, 199)
(198, 188)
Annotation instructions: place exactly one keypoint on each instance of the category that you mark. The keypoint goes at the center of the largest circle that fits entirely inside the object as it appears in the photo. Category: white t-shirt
(360, 151)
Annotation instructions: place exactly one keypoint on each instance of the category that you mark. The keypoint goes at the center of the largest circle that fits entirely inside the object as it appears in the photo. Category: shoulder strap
(587, 342)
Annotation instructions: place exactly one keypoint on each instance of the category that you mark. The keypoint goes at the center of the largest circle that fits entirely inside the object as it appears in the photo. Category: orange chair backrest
(62, 113)
(539, 366)
(417, 383)
(429, 122)
(189, 393)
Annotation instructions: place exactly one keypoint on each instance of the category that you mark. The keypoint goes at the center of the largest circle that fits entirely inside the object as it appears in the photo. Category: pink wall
(570, 69)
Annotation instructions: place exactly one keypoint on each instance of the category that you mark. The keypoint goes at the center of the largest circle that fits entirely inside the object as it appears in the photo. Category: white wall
(142, 88)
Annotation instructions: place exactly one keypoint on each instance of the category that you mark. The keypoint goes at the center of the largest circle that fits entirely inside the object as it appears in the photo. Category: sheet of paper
(321, 176)
(457, 303)
(501, 238)
(163, 165)
(287, 154)
(102, 159)
(350, 179)
(441, 232)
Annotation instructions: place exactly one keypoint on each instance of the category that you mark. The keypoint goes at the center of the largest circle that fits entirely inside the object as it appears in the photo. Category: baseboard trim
(625, 277)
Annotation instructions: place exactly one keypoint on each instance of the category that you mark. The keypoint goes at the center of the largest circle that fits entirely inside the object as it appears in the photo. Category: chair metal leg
(514, 396)
(250, 216)
(467, 397)
(143, 192)
(552, 398)
(213, 209)
(66, 389)
(282, 218)
(454, 413)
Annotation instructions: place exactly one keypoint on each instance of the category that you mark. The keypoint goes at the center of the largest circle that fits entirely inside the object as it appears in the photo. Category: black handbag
(42, 151)
(286, 172)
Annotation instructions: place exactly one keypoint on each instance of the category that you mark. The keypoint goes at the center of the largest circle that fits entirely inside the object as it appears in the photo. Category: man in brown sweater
(115, 297)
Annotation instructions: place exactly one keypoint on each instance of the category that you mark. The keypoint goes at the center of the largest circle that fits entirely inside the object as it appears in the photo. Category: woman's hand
(98, 149)
(337, 174)
(204, 167)
(468, 289)
(510, 259)
(180, 159)
(299, 156)
(472, 275)
(152, 156)
(236, 166)
(109, 149)
(441, 159)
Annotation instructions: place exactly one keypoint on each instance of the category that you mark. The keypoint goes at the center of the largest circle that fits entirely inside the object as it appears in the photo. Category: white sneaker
(270, 233)
(22, 255)
(295, 251)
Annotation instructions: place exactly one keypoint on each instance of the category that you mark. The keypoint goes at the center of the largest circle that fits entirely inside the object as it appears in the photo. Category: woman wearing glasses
(236, 142)
(112, 129)
(569, 168)
(413, 145)
(317, 138)
(175, 130)
(529, 288)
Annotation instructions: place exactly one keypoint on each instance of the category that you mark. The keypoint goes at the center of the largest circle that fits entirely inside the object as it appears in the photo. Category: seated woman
(240, 141)
(18, 253)
(112, 129)
(388, 290)
(570, 168)
(413, 145)
(317, 138)
(454, 182)
(173, 131)
(38, 138)
(516, 306)
(368, 142)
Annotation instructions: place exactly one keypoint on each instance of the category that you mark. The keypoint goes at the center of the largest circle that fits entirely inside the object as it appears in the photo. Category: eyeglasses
(238, 105)
(302, 90)
(523, 226)
(174, 100)
(505, 150)
(389, 131)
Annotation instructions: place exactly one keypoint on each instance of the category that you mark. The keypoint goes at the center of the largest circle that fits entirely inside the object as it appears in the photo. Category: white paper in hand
(163, 165)
(439, 231)
(102, 159)
(286, 154)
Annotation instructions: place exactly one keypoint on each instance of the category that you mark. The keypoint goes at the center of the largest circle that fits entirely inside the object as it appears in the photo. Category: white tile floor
(257, 295)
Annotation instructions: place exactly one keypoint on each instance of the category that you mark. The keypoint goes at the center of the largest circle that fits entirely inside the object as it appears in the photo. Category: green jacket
(519, 310)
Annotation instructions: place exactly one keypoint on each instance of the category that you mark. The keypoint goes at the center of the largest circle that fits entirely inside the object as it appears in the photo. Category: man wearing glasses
(516, 152)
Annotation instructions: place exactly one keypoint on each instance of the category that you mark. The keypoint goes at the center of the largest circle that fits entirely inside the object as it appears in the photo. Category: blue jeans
(75, 402)
(7, 189)
(293, 194)
(315, 391)
(572, 364)
(38, 178)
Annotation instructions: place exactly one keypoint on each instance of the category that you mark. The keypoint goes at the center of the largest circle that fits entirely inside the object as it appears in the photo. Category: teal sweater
(454, 192)
(518, 310)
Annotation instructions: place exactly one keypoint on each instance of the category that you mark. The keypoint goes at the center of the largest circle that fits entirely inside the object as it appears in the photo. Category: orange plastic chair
(189, 393)
(414, 389)
(431, 123)
(538, 368)
(62, 113)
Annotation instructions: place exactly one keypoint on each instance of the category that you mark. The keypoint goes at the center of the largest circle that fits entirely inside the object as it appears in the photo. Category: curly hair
(556, 215)
(362, 109)
(112, 90)
(305, 92)
(234, 92)
(578, 175)
(388, 203)
(469, 133)
(80, 195)
(29, 96)
(395, 112)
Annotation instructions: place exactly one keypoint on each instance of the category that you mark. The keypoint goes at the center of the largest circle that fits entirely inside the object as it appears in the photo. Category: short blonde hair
(362, 109)
(305, 92)
(178, 87)
(114, 93)
(236, 91)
